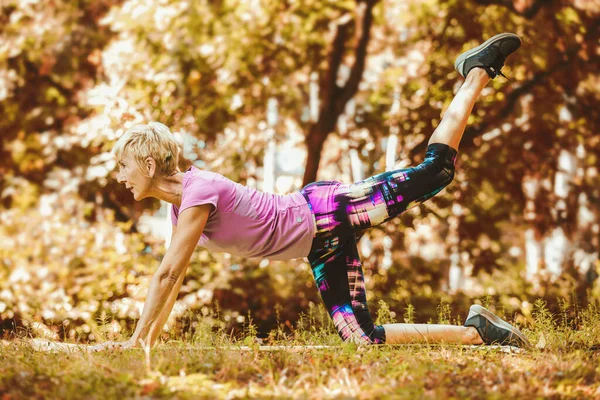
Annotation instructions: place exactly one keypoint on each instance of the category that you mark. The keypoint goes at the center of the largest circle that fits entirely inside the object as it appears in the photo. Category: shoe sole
(494, 319)
(463, 57)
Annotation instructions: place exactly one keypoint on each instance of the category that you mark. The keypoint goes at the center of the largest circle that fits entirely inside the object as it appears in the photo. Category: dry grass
(178, 370)
(213, 365)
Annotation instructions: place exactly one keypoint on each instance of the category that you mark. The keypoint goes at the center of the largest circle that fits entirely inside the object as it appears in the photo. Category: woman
(320, 222)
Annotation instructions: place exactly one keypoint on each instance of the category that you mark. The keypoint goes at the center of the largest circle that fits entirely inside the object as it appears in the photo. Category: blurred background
(276, 94)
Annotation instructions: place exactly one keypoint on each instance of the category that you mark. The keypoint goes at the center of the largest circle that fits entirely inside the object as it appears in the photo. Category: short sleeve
(198, 191)
(174, 214)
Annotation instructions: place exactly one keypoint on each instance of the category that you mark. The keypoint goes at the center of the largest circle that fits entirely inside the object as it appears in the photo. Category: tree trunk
(586, 242)
(269, 159)
(392, 140)
(333, 97)
(456, 272)
(314, 147)
(558, 244)
(533, 237)
(533, 255)
(269, 163)
(356, 166)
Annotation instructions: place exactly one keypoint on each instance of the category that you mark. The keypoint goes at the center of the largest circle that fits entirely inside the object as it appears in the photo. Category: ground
(226, 370)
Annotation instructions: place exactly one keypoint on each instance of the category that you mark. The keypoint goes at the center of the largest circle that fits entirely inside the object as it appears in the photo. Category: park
(299, 199)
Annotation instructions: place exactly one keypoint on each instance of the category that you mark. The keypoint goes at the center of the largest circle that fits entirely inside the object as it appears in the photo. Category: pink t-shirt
(247, 222)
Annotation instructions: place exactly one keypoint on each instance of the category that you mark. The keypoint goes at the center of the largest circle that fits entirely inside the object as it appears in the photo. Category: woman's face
(130, 175)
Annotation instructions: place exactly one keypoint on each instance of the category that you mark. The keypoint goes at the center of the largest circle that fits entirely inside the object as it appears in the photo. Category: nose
(120, 177)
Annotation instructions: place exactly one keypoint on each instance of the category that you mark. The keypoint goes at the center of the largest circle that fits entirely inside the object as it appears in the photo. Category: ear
(150, 166)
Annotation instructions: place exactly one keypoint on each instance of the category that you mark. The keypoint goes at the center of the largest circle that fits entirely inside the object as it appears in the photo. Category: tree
(51, 53)
(334, 96)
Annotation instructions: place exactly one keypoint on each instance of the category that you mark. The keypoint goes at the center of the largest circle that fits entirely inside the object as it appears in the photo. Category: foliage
(74, 75)
(50, 54)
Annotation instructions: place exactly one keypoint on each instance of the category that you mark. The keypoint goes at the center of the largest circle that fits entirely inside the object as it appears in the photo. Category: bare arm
(168, 308)
(166, 282)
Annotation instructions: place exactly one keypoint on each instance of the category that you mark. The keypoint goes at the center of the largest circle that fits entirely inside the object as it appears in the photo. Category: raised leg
(384, 196)
(453, 124)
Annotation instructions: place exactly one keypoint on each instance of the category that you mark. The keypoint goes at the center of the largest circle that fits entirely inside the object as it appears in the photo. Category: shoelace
(499, 72)
(494, 55)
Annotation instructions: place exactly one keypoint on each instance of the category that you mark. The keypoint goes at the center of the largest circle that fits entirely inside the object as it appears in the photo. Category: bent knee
(439, 163)
(448, 173)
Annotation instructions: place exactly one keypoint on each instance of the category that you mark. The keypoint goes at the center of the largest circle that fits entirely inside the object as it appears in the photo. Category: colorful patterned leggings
(341, 211)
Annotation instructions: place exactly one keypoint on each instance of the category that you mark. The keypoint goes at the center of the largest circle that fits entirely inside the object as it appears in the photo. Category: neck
(168, 188)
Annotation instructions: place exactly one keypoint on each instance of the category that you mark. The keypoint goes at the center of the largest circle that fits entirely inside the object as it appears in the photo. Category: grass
(211, 364)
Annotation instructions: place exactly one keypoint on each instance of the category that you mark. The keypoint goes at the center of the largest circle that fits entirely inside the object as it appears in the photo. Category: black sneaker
(490, 55)
(494, 330)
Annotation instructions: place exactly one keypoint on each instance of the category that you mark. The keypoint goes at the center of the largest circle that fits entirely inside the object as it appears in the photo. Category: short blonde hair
(153, 140)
